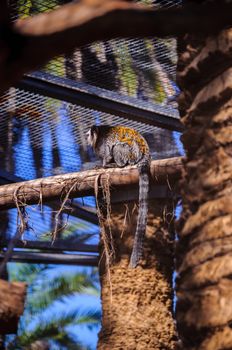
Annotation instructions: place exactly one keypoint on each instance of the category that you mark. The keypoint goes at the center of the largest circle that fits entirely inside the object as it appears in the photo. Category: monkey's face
(91, 137)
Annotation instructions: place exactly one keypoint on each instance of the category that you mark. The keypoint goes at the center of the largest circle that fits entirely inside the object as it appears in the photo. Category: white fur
(91, 140)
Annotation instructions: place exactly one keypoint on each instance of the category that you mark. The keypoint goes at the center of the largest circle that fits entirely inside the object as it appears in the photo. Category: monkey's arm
(117, 156)
(105, 153)
(106, 162)
(106, 166)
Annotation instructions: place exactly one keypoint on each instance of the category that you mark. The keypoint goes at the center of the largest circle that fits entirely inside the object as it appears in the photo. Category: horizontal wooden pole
(82, 183)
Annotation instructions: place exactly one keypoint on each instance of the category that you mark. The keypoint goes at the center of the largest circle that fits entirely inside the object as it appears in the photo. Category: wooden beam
(83, 183)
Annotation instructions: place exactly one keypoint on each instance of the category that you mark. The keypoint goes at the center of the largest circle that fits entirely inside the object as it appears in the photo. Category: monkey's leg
(121, 154)
(107, 157)
(110, 165)
(106, 166)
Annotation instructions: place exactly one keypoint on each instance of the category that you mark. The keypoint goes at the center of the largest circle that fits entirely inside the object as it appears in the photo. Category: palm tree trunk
(204, 264)
(137, 303)
(2, 342)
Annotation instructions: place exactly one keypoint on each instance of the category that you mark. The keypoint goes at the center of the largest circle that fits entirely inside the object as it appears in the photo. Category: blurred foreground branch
(29, 43)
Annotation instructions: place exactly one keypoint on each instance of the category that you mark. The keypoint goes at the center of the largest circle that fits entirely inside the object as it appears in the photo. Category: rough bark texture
(12, 297)
(137, 303)
(204, 264)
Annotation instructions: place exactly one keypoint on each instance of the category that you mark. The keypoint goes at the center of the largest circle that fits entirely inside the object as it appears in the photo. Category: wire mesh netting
(41, 224)
(43, 136)
(143, 68)
(33, 146)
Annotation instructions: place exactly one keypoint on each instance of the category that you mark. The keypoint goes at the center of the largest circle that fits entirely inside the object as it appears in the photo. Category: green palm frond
(49, 322)
(46, 332)
(89, 318)
(28, 273)
(54, 328)
(58, 288)
(70, 234)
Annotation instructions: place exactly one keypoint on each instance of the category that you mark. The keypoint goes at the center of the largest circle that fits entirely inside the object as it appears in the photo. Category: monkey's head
(92, 136)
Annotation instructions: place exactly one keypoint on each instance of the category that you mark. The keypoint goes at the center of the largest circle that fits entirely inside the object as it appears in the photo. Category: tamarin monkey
(121, 146)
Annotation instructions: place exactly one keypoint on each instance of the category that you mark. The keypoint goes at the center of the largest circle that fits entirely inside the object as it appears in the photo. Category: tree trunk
(204, 264)
(12, 297)
(137, 303)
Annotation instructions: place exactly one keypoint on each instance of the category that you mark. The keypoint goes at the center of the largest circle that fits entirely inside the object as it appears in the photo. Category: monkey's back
(124, 146)
(127, 141)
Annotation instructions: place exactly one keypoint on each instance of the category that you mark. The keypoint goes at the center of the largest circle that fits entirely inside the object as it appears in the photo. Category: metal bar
(96, 98)
(46, 258)
(59, 245)
(6, 177)
(132, 193)
(84, 213)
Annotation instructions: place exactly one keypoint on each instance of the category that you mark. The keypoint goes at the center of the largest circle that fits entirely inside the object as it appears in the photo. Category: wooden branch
(37, 39)
(12, 297)
(5, 29)
(82, 183)
(4, 13)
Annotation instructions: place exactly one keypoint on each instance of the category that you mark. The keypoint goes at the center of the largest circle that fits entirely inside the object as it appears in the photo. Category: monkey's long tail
(142, 215)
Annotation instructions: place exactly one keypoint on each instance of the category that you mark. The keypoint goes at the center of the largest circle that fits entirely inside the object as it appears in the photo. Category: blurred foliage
(160, 95)
(127, 74)
(27, 8)
(56, 66)
(44, 319)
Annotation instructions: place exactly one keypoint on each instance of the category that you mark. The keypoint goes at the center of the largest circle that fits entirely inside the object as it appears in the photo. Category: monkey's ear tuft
(94, 130)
